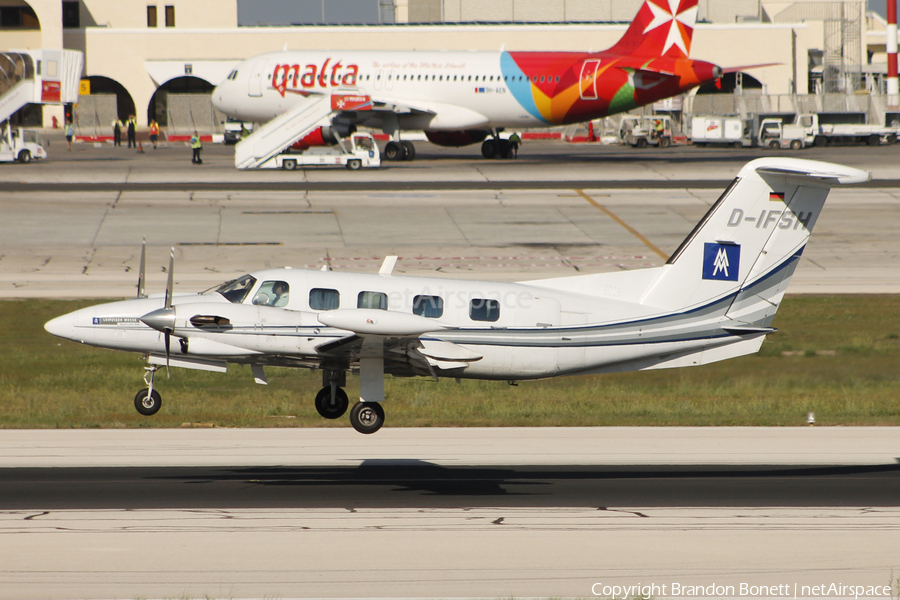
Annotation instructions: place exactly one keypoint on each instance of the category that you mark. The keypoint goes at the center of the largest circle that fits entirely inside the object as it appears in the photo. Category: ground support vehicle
(640, 132)
(23, 145)
(775, 134)
(731, 131)
(848, 133)
(232, 130)
(359, 151)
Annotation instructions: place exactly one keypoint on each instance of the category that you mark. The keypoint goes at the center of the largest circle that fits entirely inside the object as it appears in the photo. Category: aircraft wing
(410, 344)
(449, 117)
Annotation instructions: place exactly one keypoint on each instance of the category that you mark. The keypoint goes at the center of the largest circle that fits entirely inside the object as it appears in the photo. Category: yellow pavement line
(628, 227)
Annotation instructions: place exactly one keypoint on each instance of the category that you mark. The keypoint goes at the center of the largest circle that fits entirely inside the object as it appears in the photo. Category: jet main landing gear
(398, 151)
(495, 148)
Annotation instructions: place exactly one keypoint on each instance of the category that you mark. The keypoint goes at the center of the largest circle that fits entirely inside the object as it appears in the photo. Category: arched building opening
(730, 82)
(184, 103)
(105, 86)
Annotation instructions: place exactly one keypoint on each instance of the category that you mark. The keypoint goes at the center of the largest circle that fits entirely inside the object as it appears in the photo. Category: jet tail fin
(662, 28)
(746, 248)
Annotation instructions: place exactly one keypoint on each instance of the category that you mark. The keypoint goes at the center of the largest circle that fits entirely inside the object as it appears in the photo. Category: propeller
(143, 271)
(163, 319)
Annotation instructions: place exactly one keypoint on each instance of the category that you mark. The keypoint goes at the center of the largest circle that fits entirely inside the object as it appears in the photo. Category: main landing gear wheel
(148, 402)
(367, 417)
(332, 408)
(410, 151)
(488, 149)
(394, 151)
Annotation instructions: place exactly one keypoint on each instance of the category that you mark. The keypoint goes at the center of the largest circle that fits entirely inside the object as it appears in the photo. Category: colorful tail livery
(461, 98)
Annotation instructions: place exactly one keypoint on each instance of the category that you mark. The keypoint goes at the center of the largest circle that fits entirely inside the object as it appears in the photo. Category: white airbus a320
(714, 299)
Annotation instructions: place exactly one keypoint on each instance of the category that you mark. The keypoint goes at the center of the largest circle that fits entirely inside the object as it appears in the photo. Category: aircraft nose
(63, 327)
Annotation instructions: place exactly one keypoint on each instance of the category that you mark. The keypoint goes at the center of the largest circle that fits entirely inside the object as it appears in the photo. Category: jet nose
(63, 327)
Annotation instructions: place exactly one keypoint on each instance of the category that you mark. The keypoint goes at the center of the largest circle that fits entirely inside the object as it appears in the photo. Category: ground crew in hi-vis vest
(196, 146)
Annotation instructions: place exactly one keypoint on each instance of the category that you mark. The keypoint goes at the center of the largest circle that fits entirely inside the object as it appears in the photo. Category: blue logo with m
(721, 261)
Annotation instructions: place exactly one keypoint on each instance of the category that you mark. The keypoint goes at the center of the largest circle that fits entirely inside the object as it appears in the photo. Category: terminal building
(161, 61)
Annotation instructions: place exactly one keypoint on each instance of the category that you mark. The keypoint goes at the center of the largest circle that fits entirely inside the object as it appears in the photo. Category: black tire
(874, 140)
(354, 164)
(147, 405)
(892, 139)
(410, 151)
(796, 145)
(738, 145)
(820, 141)
(503, 149)
(394, 151)
(641, 143)
(24, 157)
(488, 149)
(289, 164)
(774, 145)
(700, 144)
(328, 409)
(367, 417)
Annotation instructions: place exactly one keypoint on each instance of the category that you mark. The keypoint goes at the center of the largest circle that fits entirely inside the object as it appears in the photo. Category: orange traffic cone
(140, 147)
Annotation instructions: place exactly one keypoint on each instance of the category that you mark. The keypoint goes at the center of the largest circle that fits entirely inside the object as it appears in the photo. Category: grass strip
(837, 356)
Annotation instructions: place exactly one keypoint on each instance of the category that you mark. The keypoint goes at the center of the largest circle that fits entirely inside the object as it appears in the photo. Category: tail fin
(661, 28)
(747, 246)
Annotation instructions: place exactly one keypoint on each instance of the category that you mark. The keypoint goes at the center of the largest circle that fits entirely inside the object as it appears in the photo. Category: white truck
(848, 133)
(731, 131)
(23, 145)
(749, 132)
(357, 152)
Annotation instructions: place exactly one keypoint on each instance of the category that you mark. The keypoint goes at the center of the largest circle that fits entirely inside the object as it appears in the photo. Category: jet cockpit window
(324, 299)
(237, 289)
(428, 306)
(481, 309)
(272, 293)
(372, 300)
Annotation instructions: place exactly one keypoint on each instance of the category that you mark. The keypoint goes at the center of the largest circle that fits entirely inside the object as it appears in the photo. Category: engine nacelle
(320, 136)
(456, 139)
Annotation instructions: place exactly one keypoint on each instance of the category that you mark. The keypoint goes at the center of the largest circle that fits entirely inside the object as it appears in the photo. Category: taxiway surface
(81, 239)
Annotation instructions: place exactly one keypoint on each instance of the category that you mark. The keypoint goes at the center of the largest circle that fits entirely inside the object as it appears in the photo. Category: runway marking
(230, 244)
(628, 227)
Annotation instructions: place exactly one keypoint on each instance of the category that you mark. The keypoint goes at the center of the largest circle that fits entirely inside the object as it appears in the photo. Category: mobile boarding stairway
(38, 77)
(273, 138)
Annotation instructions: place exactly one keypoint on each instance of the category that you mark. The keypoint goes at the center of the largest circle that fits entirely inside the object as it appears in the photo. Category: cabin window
(481, 309)
(151, 16)
(557, 79)
(372, 300)
(441, 78)
(454, 78)
(237, 289)
(324, 299)
(428, 306)
(170, 16)
(272, 293)
(470, 78)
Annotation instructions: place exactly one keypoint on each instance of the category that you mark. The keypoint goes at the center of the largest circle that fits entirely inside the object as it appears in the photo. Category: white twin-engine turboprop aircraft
(713, 299)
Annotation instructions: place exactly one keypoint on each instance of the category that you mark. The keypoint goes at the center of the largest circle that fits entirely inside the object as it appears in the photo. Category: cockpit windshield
(236, 290)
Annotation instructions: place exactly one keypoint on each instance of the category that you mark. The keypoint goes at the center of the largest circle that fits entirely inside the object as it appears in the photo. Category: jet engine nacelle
(455, 139)
(320, 136)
